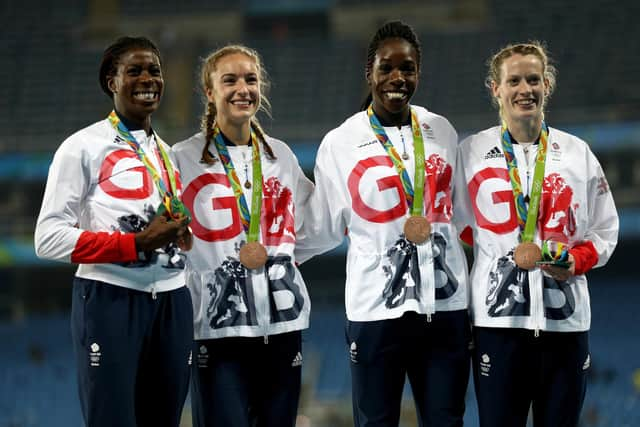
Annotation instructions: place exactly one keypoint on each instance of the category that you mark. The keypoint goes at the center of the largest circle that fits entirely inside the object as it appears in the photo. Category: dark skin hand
(160, 232)
(185, 241)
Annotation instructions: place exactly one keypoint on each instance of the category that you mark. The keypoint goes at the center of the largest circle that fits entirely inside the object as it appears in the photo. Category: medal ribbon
(170, 202)
(414, 198)
(527, 218)
(554, 251)
(250, 220)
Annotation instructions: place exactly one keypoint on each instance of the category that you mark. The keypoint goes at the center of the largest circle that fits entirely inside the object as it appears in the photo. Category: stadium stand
(49, 56)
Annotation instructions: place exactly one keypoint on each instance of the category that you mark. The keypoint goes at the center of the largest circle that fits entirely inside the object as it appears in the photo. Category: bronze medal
(253, 255)
(247, 185)
(417, 229)
(526, 255)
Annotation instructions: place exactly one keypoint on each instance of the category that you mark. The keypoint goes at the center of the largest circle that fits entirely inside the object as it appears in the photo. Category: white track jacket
(228, 299)
(359, 193)
(98, 195)
(576, 208)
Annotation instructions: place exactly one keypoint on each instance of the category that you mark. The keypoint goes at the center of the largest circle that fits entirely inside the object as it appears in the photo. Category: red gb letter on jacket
(108, 177)
(277, 217)
(437, 191)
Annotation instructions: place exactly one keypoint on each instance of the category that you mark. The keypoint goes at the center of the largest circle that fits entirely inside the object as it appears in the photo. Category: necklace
(247, 183)
(405, 156)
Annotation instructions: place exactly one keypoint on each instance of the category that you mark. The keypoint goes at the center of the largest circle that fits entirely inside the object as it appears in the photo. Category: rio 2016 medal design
(526, 255)
(417, 229)
(253, 255)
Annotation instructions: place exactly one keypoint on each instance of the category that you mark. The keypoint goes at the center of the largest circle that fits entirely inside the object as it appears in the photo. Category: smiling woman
(133, 79)
(406, 288)
(521, 81)
(112, 205)
(137, 86)
(245, 190)
(393, 79)
(542, 217)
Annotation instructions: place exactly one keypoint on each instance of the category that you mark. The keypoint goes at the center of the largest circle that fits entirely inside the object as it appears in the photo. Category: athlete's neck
(237, 134)
(388, 118)
(135, 124)
(525, 130)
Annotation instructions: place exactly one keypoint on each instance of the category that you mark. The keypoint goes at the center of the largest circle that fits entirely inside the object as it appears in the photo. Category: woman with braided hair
(385, 176)
(244, 189)
(112, 206)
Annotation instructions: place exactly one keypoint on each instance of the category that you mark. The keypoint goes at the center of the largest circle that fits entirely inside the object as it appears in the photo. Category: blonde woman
(243, 188)
(542, 216)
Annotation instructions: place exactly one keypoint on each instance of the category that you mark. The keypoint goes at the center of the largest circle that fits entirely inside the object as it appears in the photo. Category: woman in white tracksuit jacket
(405, 297)
(131, 315)
(249, 312)
(531, 320)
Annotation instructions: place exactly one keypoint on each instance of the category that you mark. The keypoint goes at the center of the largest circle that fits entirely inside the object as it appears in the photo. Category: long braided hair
(390, 30)
(208, 120)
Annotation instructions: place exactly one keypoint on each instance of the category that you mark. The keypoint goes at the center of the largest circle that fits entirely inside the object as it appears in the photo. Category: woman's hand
(560, 274)
(160, 232)
(185, 241)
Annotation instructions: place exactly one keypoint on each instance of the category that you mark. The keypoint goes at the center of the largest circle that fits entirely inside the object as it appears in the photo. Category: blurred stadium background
(315, 52)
